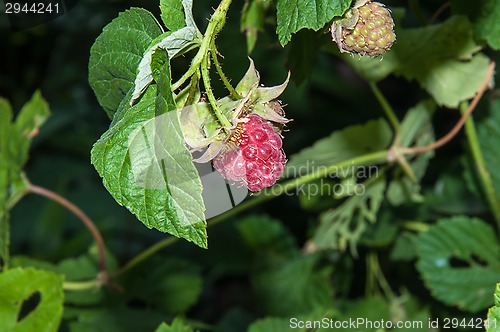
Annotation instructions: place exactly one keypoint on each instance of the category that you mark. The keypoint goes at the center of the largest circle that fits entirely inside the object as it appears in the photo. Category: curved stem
(265, 195)
(460, 123)
(205, 74)
(482, 170)
(216, 23)
(142, 256)
(389, 112)
(439, 11)
(380, 277)
(229, 87)
(80, 215)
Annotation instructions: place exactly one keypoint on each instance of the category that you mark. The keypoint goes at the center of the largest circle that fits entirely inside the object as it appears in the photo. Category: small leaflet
(173, 43)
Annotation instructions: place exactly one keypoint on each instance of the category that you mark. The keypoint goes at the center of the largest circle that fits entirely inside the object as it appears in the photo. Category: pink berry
(259, 160)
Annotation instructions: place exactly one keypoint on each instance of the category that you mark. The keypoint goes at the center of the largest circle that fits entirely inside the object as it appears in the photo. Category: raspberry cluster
(373, 34)
(258, 161)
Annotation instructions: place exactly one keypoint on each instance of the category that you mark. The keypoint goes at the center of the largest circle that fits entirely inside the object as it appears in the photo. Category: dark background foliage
(325, 95)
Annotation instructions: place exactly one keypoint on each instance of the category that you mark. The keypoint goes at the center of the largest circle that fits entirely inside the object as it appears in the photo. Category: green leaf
(345, 224)
(15, 139)
(16, 286)
(164, 98)
(159, 59)
(270, 241)
(488, 133)
(177, 14)
(147, 168)
(458, 260)
(170, 284)
(416, 129)
(116, 54)
(376, 308)
(252, 20)
(294, 287)
(310, 14)
(271, 324)
(172, 14)
(31, 117)
(441, 58)
(485, 18)
(450, 196)
(116, 318)
(492, 322)
(178, 325)
(373, 69)
(176, 43)
(303, 54)
(341, 145)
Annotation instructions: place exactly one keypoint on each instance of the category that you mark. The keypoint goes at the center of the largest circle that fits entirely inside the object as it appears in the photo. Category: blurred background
(324, 95)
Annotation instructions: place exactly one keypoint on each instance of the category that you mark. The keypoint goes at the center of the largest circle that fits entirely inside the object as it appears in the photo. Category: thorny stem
(265, 195)
(460, 123)
(84, 219)
(389, 112)
(205, 74)
(223, 77)
(482, 170)
(215, 25)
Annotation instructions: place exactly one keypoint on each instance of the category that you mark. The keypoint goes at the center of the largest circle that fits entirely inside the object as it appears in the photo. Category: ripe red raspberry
(258, 161)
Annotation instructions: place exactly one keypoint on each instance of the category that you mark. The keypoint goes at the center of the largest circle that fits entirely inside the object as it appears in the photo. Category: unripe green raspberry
(366, 29)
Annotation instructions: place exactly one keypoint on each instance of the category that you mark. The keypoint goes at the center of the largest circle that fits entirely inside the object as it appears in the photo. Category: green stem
(81, 285)
(265, 195)
(482, 170)
(205, 74)
(380, 277)
(389, 112)
(215, 25)
(223, 77)
(142, 256)
(416, 226)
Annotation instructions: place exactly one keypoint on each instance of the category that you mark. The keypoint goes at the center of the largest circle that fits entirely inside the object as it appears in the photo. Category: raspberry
(373, 32)
(258, 161)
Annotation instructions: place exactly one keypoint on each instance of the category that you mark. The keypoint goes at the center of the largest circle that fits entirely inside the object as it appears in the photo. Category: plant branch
(81, 285)
(265, 195)
(389, 112)
(80, 215)
(482, 170)
(223, 77)
(215, 25)
(460, 123)
(439, 11)
(205, 74)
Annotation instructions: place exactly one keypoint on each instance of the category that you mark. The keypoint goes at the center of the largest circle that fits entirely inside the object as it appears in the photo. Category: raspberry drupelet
(258, 161)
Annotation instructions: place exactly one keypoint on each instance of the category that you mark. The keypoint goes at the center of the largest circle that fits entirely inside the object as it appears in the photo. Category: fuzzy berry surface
(373, 34)
(258, 161)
